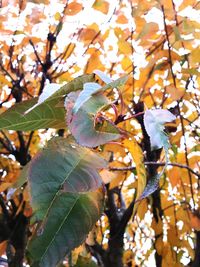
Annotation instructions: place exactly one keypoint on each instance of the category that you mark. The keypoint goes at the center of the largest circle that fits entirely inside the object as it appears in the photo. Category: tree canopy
(99, 133)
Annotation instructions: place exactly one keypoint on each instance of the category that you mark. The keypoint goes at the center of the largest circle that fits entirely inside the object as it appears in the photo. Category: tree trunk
(114, 253)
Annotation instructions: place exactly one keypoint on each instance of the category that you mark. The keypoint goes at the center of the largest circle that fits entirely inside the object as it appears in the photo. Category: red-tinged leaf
(62, 166)
(46, 113)
(88, 90)
(82, 124)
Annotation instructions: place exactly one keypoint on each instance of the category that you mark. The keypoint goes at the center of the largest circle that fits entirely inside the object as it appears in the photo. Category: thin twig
(130, 168)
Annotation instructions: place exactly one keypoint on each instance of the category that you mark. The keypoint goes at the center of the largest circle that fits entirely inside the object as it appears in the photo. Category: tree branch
(131, 168)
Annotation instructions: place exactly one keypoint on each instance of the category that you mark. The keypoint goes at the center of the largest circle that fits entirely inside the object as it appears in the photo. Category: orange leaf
(28, 212)
(107, 176)
(73, 8)
(94, 62)
(195, 221)
(88, 34)
(101, 5)
(159, 245)
(174, 175)
(142, 208)
(175, 93)
(122, 19)
(3, 246)
(157, 226)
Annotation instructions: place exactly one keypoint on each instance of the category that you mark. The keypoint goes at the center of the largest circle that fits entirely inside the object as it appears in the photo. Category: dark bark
(151, 172)
(157, 213)
(19, 239)
(196, 262)
(114, 253)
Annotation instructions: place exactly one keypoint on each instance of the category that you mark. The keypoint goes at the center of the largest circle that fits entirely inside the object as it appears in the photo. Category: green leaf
(103, 76)
(115, 84)
(75, 85)
(45, 115)
(23, 177)
(62, 166)
(88, 90)
(154, 124)
(151, 187)
(82, 125)
(48, 91)
(70, 219)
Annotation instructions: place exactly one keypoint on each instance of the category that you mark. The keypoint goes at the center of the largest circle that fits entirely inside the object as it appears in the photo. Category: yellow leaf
(4, 186)
(187, 3)
(57, 16)
(91, 238)
(126, 64)
(148, 31)
(142, 208)
(137, 155)
(69, 50)
(94, 62)
(116, 182)
(4, 81)
(175, 139)
(195, 55)
(128, 255)
(75, 253)
(117, 149)
(101, 5)
(124, 47)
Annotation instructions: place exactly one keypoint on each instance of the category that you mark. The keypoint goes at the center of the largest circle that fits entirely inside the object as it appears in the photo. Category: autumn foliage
(99, 133)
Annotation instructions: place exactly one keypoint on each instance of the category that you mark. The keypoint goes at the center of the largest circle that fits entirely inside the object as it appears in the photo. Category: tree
(99, 140)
